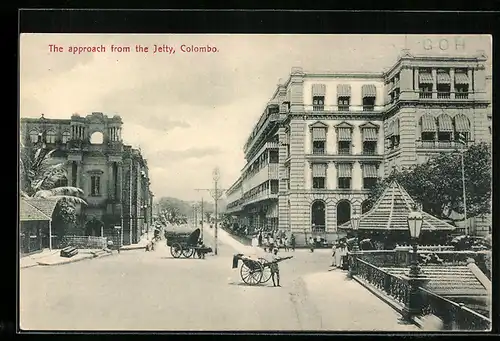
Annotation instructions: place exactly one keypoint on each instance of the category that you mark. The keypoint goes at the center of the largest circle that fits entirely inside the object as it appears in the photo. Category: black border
(251, 22)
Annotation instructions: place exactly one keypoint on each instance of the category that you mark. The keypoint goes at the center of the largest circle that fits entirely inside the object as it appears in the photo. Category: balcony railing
(443, 95)
(440, 145)
(343, 107)
(369, 152)
(318, 107)
(344, 152)
(425, 94)
(461, 95)
(368, 107)
(319, 151)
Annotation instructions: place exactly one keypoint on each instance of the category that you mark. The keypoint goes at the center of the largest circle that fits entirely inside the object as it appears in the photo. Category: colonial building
(113, 176)
(325, 138)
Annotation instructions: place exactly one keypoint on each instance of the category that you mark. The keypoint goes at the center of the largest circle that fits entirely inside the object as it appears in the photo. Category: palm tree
(39, 177)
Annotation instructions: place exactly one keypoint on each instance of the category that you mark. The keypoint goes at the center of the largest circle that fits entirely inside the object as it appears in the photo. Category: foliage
(64, 217)
(177, 209)
(39, 175)
(437, 183)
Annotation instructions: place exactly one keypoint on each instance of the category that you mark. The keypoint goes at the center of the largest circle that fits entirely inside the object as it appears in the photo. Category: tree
(39, 176)
(437, 183)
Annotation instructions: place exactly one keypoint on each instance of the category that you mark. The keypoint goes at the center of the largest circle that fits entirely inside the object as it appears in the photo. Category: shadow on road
(176, 259)
(242, 284)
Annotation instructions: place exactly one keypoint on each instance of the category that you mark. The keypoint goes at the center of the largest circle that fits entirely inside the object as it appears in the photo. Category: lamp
(355, 220)
(415, 220)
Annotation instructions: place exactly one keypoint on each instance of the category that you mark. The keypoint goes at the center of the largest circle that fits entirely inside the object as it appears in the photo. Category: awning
(370, 171)
(368, 90)
(425, 78)
(461, 78)
(344, 170)
(318, 89)
(445, 124)
(443, 78)
(462, 124)
(428, 124)
(344, 134)
(343, 90)
(319, 134)
(370, 134)
(319, 170)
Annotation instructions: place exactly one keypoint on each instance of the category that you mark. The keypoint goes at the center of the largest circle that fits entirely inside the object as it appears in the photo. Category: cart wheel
(249, 276)
(266, 272)
(187, 252)
(176, 250)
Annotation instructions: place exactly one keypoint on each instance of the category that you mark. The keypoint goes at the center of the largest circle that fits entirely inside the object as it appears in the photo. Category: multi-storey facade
(336, 133)
(113, 176)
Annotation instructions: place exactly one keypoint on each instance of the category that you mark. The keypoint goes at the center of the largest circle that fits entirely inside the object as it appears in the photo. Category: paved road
(139, 290)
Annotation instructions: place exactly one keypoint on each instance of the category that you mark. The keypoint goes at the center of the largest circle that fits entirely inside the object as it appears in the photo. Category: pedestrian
(292, 242)
(311, 244)
(271, 243)
(334, 249)
(274, 267)
(260, 238)
(285, 243)
(265, 243)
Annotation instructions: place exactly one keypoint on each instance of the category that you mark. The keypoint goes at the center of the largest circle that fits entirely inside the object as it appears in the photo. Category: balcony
(344, 151)
(369, 152)
(443, 95)
(425, 94)
(461, 95)
(343, 108)
(264, 195)
(368, 155)
(319, 151)
(440, 145)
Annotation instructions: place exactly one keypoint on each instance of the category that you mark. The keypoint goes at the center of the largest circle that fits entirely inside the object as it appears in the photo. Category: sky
(191, 112)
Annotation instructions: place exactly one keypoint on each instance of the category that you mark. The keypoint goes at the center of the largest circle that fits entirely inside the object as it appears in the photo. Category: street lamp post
(414, 304)
(355, 219)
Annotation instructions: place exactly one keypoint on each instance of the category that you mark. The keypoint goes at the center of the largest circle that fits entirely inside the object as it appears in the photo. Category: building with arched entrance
(113, 176)
(325, 138)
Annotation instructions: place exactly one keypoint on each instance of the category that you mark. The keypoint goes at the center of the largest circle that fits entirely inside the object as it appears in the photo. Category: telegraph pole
(216, 194)
(202, 217)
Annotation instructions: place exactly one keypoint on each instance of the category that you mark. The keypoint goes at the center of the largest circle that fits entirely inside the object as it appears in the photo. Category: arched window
(34, 136)
(50, 137)
(365, 206)
(66, 136)
(343, 212)
(97, 138)
(318, 215)
(428, 128)
(462, 127)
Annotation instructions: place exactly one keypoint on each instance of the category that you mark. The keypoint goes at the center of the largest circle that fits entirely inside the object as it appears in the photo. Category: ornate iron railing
(455, 316)
(393, 286)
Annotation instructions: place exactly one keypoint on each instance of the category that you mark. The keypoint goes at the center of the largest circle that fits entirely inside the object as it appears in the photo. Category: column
(471, 83)
(79, 174)
(434, 83)
(119, 180)
(69, 172)
(416, 80)
(111, 194)
(452, 83)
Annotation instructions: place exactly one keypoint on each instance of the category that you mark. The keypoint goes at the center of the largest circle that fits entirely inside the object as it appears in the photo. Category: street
(137, 290)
